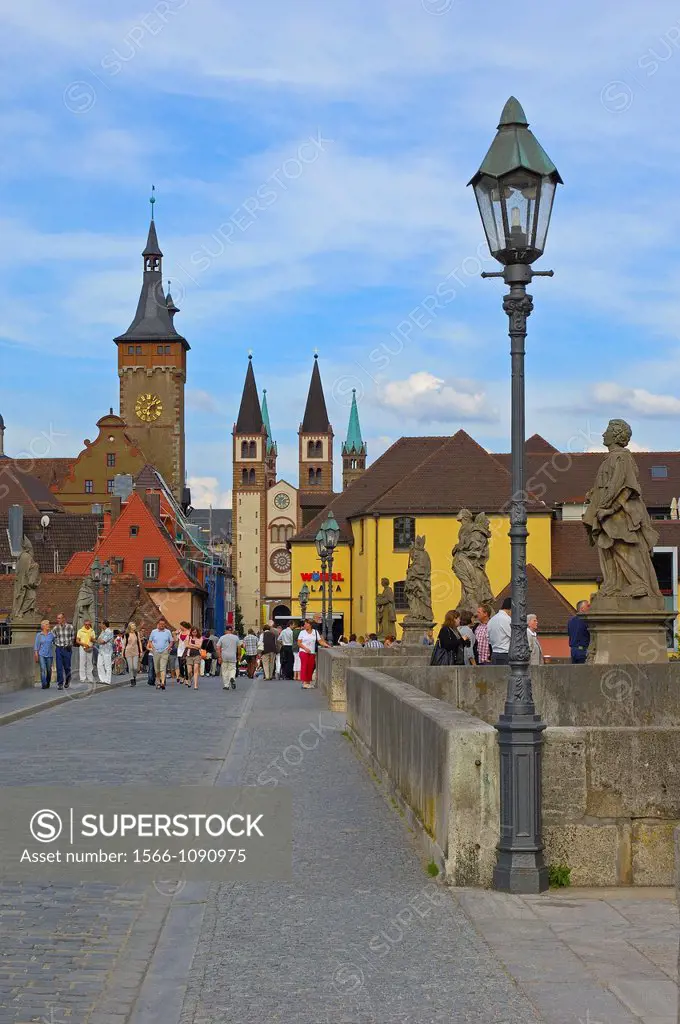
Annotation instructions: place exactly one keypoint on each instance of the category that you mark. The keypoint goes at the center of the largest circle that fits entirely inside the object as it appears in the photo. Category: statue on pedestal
(26, 585)
(418, 586)
(470, 556)
(84, 609)
(618, 524)
(386, 610)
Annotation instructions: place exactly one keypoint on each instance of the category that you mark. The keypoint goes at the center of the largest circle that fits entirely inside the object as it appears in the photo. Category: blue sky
(319, 152)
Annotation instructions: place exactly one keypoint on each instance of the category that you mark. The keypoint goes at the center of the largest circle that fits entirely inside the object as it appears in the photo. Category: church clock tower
(152, 371)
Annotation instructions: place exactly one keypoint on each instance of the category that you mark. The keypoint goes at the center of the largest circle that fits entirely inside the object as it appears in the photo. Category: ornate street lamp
(515, 188)
(303, 598)
(107, 573)
(96, 577)
(320, 540)
(331, 535)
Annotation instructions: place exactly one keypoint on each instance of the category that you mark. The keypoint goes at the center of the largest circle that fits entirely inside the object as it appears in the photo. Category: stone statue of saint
(26, 584)
(618, 524)
(386, 613)
(470, 556)
(418, 586)
(84, 604)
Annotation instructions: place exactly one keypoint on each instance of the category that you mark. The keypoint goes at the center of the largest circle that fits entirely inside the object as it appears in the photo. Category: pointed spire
(153, 319)
(170, 303)
(250, 414)
(271, 447)
(354, 443)
(315, 420)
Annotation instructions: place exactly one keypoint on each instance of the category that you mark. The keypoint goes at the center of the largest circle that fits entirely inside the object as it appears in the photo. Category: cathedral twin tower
(268, 512)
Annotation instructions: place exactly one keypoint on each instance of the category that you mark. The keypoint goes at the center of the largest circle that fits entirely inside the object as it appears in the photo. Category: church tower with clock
(152, 359)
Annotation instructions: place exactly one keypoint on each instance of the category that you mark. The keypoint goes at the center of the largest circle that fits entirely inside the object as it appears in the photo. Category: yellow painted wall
(441, 533)
(577, 591)
(306, 560)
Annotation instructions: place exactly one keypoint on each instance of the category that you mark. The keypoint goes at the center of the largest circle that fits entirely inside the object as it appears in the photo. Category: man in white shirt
(535, 649)
(287, 653)
(227, 657)
(499, 630)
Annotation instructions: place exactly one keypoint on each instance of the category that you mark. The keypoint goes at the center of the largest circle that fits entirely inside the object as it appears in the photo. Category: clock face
(282, 500)
(148, 407)
(280, 560)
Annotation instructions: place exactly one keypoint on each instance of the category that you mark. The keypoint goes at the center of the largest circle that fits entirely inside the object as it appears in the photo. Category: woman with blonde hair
(133, 651)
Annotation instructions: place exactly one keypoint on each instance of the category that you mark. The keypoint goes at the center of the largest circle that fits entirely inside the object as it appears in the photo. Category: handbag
(440, 656)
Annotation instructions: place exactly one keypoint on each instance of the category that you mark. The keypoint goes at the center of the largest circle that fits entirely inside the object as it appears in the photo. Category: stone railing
(17, 668)
(334, 663)
(611, 784)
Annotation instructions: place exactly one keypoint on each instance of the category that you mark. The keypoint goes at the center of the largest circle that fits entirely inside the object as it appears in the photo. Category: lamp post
(515, 188)
(331, 535)
(319, 540)
(107, 573)
(303, 598)
(96, 577)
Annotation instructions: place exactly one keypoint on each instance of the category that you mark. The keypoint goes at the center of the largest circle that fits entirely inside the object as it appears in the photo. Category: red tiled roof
(51, 472)
(150, 541)
(128, 601)
(562, 478)
(553, 610)
(573, 557)
(18, 486)
(403, 456)
(536, 444)
(459, 474)
(53, 548)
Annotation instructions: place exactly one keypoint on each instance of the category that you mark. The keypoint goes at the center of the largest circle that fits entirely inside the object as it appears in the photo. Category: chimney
(153, 503)
(115, 508)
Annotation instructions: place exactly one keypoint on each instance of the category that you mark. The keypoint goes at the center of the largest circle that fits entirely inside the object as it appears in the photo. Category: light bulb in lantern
(515, 219)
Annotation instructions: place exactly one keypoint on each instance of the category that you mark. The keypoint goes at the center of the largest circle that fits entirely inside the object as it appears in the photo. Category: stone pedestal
(414, 629)
(23, 633)
(627, 631)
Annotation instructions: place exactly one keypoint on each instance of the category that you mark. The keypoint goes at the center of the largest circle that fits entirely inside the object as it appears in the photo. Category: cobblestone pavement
(360, 936)
(67, 952)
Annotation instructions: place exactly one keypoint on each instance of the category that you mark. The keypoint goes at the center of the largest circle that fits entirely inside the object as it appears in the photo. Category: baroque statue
(84, 604)
(619, 526)
(418, 585)
(470, 556)
(386, 610)
(26, 585)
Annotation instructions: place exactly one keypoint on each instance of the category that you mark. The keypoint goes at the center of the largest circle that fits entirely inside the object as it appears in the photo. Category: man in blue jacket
(579, 634)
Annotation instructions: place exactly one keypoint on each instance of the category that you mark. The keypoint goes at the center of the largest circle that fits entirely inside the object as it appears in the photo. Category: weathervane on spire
(152, 199)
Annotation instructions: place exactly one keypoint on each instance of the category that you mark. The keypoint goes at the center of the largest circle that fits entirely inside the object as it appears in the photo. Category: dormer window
(659, 472)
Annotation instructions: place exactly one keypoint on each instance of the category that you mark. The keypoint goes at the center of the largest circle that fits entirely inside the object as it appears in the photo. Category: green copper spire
(354, 442)
(271, 447)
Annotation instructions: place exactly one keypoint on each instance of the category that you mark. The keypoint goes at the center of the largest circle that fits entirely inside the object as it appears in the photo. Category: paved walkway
(360, 936)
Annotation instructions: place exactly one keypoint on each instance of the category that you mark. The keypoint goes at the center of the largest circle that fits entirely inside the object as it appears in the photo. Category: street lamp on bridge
(331, 535)
(515, 188)
(320, 542)
(303, 598)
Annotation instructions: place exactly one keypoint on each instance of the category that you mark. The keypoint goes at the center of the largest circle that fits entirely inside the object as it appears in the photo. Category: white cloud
(637, 400)
(205, 491)
(203, 401)
(427, 398)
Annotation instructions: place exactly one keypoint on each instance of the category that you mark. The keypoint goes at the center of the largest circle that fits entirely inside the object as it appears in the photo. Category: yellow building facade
(372, 556)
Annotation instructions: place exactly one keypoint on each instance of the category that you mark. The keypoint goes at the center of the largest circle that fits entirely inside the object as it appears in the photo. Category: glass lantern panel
(489, 203)
(520, 193)
(547, 195)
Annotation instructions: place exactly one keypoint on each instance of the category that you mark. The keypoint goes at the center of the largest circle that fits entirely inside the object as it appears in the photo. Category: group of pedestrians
(54, 646)
(483, 639)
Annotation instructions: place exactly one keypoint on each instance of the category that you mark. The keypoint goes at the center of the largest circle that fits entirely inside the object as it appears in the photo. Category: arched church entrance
(281, 614)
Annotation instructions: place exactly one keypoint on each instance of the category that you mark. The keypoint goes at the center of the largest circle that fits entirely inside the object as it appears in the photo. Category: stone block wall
(440, 763)
(611, 793)
(334, 663)
(17, 668)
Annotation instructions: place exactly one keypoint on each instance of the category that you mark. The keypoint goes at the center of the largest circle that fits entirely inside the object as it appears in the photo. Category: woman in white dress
(296, 652)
